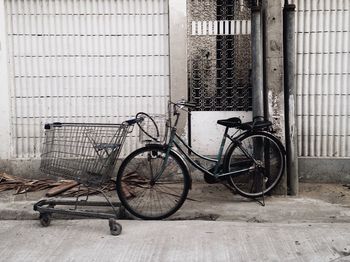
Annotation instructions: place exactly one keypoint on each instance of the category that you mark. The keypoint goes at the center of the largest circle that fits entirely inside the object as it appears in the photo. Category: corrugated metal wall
(84, 61)
(323, 77)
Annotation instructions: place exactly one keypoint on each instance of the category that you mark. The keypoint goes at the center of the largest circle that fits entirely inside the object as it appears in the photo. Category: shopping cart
(86, 153)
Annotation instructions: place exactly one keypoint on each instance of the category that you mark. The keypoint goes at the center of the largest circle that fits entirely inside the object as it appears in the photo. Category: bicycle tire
(147, 199)
(257, 180)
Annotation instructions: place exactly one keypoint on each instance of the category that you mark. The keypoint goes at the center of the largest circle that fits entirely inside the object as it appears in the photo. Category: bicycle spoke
(171, 193)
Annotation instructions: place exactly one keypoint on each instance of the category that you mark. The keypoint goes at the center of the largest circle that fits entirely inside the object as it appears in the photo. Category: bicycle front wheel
(258, 163)
(151, 185)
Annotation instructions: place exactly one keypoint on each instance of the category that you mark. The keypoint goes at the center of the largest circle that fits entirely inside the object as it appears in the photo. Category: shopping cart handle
(134, 121)
(54, 124)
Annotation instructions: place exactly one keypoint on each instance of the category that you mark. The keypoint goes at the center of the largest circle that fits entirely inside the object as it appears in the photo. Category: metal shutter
(84, 61)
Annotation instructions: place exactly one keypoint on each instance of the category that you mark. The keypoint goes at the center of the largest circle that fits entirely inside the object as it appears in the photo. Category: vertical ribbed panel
(226, 27)
(323, 77)
(85, 61)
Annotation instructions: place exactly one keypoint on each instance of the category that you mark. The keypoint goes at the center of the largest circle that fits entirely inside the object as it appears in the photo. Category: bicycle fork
(165, 161)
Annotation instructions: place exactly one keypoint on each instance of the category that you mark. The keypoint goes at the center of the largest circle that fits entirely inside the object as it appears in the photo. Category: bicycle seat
(230, 122)
(237, 123)
(257, 124)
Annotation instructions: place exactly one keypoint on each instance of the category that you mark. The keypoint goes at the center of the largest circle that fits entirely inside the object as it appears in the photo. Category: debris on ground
(67, 188)
(81, 190)
(22, 185)
(347, 185)
(61, 188)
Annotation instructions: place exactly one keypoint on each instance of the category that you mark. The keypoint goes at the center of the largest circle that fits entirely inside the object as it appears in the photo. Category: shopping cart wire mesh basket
(86, 153)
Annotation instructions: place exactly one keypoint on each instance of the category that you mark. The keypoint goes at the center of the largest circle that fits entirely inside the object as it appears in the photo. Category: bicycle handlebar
(182, 103)
(186, 104)
(133, 121)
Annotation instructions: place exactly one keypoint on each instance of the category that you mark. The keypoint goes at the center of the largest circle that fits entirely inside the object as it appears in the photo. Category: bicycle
(153, 181)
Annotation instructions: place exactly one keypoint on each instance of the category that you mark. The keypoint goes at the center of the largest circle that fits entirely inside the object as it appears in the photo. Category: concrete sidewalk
(277, 210)
(314, 226)
(89, 240)
(319, 204)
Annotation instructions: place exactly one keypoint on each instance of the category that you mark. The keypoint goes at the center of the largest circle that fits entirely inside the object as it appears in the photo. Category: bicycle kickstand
(262, 203)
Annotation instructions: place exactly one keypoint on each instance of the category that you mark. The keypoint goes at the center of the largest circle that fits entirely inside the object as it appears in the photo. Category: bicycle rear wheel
(261, 156)
(146, 197)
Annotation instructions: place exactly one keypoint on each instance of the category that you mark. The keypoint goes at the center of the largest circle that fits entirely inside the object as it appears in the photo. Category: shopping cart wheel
(45, 219)
(114, 227)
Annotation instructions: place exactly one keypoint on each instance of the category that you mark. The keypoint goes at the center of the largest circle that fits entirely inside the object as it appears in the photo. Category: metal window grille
(219, 75)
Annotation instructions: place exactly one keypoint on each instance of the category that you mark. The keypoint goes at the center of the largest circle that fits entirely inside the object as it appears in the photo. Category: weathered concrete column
(290, 97)
(257, 63)
(5, 111)
(257, 78)
(178, 53)
(273, 74)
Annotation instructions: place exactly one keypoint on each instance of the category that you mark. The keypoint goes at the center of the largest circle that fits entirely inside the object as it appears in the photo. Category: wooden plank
(61, 188)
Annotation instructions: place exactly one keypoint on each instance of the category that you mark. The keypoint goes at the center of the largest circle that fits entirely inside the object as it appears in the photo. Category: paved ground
(312, 227)
(317, 203)
(88, 240)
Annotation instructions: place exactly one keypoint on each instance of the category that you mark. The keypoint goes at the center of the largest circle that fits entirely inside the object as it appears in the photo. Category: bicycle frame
(175, 140)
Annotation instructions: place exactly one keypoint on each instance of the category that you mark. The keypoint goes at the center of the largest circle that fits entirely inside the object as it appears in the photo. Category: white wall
(5, 143)
(83, 61)
(207, 134)
(323, 77)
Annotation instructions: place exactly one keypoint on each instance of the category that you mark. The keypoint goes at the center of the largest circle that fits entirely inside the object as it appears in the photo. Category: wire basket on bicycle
(156, 127)
(153, 128)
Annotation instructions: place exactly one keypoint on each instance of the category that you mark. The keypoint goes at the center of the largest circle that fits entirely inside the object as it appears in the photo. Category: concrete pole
(290, 97)
(178, 54)
(257, 63)
(257, 78)
(273, 73)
